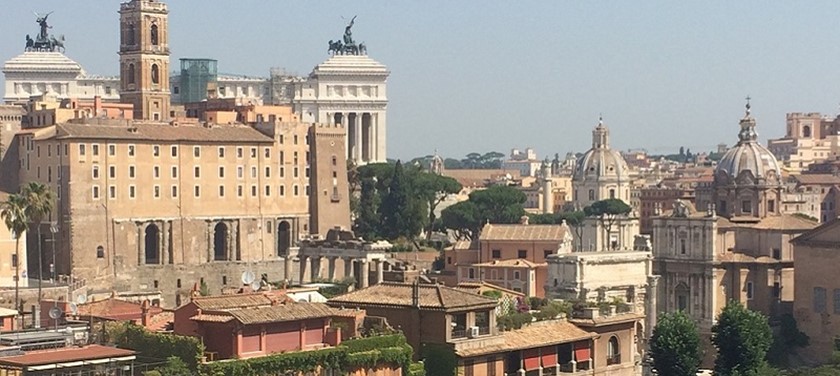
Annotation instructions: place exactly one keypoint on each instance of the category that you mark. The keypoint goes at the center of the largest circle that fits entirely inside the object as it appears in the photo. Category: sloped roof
(817, 179)
(115, 309)
(66, 355)
(430, 296)
(228, 302)
(480, 287)
(784, 222)
(827, 234)
(536, 335)
(162, 132)
(512, 263)
(284, 312)
(523, 232)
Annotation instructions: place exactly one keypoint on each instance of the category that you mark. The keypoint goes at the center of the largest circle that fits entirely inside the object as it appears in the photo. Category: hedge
(158, 345)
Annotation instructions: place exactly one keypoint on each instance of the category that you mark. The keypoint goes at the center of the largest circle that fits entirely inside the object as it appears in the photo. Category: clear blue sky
(492, 75)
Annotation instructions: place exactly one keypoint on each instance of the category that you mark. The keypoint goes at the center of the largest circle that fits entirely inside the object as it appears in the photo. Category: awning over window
(582, 351)
(531, 358)
(549, 356)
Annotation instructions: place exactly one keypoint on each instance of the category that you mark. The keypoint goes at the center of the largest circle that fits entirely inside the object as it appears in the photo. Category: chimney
(415, 294)
(145, 313)
(97, 105)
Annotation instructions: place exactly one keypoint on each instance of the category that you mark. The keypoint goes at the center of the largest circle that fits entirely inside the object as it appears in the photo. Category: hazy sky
(492, 75)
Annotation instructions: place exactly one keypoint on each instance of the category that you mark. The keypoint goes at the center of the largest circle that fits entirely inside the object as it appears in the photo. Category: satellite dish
(55, 313)
(255, 285)
(74, 309)
(248, 277)
(81, 299)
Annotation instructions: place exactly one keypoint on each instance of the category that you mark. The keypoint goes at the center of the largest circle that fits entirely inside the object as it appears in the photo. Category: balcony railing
(483, 330)
(615, 359)
(459, 333)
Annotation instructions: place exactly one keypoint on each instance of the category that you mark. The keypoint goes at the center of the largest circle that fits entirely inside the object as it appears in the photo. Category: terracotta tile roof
(817, 179)
(480, 287)
(785, 222)
(227, 302)
(430, 296)
(284, 312)
(524, 232)
(115, 309)
(540, 334)
(206, 317)
(70, 354)
(511, 263)
(163, 132)
(608, 320)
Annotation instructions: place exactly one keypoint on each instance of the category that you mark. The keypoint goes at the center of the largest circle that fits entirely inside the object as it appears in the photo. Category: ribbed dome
(748, 155)
(600, 162)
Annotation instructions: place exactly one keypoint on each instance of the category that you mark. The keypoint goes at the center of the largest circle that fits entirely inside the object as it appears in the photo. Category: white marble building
(35, 73)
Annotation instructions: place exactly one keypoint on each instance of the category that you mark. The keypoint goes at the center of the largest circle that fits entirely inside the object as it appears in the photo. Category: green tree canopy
(463, 218)
(607, 211)
(367, 223)
(497, 204)
(742, 338)
(433, 189)
(13, 212)
(675, 345)
(399, 209)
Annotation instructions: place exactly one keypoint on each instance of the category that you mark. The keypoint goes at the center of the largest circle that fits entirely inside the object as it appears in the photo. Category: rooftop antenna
(248, 277)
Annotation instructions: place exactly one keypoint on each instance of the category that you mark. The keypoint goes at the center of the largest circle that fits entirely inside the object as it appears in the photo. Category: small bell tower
(144, 58)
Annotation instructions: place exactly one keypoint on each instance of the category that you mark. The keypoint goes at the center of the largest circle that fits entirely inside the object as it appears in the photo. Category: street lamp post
(53, 230)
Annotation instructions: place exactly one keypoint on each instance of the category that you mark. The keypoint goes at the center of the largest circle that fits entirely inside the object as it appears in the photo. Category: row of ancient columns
(363, 130)
(315, 263)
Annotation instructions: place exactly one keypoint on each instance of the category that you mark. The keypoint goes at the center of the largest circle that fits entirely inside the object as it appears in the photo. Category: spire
(747, 133)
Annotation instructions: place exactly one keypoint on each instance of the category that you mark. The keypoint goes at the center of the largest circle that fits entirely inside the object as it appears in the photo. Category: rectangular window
(239, 152)
(282, 190)
(131, 171)
(156, 191)
(239, 190)
(777, 253)
(95, 172)
(112, 150)
(471, 273)
(253, 191)
(836, 301)
(197, 172)
(746, 206)
(295, 172)
(14, 261)
(221, 172)
(282, 172)
(132, 190)
(253, 152)
(306, 189)
(267, 171)
(253, 172)
(95, 192)
(156, 151)
(174, 151)
(221, 191)
(221, 151)
(112, 192)
(197, 191)
(682, 246)
(282, 157)
(95, 149)
(112, 172)
(196, 152)
(240, 172)
(295, 190)
(267, 191)
(156, 172)
(267, 152)
(497, 253)
(131, 150)
(81, 150)
(819, 300)
(516, 275)
(771, 206)
(174, 192)
(523, 254)
(750, 290)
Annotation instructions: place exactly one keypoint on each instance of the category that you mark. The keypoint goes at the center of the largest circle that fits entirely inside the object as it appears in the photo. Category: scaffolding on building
(198, 77)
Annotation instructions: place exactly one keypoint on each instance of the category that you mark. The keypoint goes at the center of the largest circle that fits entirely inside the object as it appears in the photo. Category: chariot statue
(346, 45)
(44, 41)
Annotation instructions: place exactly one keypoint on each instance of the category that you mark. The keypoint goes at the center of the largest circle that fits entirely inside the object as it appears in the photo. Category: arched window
(591, 194)
(155, 74)
(100, 252)
(613, 351)
(153, 32)
(220, 242)
(152, 244)
(129, 35)
(284, 238)
(130, 73)
(806, 131)
(681, 295)
(612, 193)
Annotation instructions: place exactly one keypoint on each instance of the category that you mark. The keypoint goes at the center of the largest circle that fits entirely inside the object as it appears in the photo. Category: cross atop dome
(747, 133)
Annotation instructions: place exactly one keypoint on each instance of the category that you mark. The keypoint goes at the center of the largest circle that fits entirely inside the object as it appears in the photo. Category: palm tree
(39, 204)
(13, 213)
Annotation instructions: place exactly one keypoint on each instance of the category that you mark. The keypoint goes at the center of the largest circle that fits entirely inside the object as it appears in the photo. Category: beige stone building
(809, 138)
(155, 206)
(817, 303)
(8, 260)
(11, 117)
(737, 248)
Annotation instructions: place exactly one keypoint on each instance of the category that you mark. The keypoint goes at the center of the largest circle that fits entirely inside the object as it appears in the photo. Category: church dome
(600, 162)
(748, 156)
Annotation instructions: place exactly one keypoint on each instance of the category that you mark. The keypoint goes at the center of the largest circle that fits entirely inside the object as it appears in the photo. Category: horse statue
(335, 47)
(362, 49)
(57, 44)
(30, 43)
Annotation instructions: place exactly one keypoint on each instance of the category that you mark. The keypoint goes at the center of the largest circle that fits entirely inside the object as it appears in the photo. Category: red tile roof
(430, 296)
(227, 302)
(70, 354)
(115, 309)
(523, 232)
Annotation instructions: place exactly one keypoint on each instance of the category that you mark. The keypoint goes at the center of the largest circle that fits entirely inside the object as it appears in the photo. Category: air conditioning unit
(473, 331)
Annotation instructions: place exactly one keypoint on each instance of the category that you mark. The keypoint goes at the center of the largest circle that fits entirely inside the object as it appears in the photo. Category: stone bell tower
(144, 58)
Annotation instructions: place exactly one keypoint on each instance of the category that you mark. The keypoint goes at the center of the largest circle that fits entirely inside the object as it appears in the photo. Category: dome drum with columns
(601, 173)
(747, 181)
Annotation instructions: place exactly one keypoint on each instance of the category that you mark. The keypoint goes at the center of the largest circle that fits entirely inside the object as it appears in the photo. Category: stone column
(229, 244)
(348, 268)
(380, 275)
(161, 259)
(211, 233)
(302, 259)
(651, 306)
(287, 268)
(357, 148)
(316, 267)
(380, 137)
(331, 268)
(140, 243)
(364, 273)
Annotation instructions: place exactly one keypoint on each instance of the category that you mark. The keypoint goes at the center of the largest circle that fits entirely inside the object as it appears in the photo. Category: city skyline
(662, 68)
